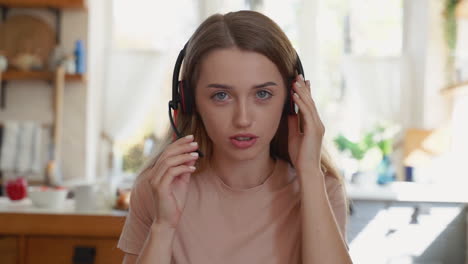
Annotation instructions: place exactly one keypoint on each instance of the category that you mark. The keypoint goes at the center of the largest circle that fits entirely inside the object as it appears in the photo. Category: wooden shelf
(12, 75)
(456, 90)
(62, 4)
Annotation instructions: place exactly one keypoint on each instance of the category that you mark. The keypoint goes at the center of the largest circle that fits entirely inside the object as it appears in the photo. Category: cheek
(212, 120)
(272, 116)
(272, 119)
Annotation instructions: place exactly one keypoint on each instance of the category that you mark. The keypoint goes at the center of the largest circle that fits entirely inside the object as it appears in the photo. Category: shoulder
(141, 196)
(335, 190)
(334, 185)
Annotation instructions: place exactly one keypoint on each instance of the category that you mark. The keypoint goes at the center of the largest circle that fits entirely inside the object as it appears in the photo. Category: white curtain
(134, 87)
(373, 89)
(146, 39)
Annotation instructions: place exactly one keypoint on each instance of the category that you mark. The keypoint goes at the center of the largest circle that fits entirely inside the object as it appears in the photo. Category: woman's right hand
(170, 177)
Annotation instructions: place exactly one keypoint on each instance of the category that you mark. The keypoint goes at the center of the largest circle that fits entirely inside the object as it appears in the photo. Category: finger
(183, 140)
(186, 176)
(303, 83)
(307, 98)
(191, 163)
(293, 125)
(308, 87)
(309, 105)
(175, 144)
(306, 112)
(172, 173)
(310, 92)
(303, 93)
(177, 149)
(170, 162)
(313, 104)
(303, 106)
(300, 79)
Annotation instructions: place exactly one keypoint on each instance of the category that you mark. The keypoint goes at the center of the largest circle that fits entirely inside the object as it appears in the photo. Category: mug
(85, 197)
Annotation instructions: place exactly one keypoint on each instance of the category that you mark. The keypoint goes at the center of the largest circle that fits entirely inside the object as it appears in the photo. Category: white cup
(85, 197)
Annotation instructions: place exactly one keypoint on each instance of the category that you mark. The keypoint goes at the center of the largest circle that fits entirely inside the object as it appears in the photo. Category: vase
(385, 171)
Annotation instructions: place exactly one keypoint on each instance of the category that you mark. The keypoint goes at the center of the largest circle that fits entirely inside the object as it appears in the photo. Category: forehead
(237, 66)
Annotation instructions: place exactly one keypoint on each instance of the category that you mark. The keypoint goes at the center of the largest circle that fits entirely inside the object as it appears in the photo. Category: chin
(242, 154)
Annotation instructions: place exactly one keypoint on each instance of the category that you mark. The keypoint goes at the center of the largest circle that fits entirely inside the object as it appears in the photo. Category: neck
(243, 174)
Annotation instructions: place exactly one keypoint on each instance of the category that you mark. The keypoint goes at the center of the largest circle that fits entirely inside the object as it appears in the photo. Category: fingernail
(192, 167)
(296, 108)
(189, 137)
(296, 95)
(298, 84)
(300, 76)
(195, 154)
(193, 144)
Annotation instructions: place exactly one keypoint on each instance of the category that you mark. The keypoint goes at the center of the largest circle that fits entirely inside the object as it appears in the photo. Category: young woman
(264, 191)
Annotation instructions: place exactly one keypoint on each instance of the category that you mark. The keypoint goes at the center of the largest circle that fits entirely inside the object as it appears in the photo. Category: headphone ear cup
(290, 109)
(181, 94)
(186, 97)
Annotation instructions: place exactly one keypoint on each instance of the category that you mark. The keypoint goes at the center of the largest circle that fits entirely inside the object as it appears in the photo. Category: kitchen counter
(409, 192)
(25, 206)
(35, 235)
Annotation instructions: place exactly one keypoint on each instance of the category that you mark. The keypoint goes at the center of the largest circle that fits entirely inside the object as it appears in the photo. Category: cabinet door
(51, 250)
(8, 249)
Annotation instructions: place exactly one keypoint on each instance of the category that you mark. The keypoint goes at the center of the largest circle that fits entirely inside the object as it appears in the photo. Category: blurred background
(85, 86)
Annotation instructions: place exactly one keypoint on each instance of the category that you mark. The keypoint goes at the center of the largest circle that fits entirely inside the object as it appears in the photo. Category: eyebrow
(224, 86)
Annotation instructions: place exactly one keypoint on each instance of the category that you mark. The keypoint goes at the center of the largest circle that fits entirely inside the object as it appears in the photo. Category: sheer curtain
(145, 39)
(374, 87)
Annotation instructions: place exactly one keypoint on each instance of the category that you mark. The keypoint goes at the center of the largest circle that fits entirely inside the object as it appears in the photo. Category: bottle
(386, 171)
(79, 57)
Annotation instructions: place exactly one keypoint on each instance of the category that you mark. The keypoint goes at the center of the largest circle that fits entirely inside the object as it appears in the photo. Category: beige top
(221, 224)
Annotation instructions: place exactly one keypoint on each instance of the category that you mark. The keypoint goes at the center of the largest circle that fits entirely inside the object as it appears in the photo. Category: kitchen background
(84, 92)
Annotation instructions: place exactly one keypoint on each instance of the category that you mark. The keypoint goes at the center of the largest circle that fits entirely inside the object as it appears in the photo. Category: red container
(17, 189)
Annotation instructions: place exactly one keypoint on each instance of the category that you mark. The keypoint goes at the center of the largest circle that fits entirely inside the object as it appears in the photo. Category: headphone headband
(182, 94)
(176, 99)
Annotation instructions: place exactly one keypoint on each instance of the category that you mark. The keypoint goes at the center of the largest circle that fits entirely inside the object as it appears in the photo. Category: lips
(243, 141)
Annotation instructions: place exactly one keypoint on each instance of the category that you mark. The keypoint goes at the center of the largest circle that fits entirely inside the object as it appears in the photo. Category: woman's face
(240, 97)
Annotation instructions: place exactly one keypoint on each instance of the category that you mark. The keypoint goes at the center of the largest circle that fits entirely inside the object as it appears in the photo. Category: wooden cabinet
(9, 249)
(60, 238)
(45, 250)
(44, 3)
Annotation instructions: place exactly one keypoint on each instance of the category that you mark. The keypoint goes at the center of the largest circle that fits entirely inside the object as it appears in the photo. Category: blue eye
(221, 96)
(263, 95)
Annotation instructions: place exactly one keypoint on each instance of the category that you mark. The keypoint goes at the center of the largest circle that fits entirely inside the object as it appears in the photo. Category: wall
(425, 48)
(32, 100)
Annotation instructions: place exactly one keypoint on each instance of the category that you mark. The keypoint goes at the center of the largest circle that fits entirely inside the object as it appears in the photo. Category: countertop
(392, 192)
(25, 206)
(409, 192)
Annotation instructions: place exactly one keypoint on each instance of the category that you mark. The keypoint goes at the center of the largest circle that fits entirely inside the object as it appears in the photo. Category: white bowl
(47, 197)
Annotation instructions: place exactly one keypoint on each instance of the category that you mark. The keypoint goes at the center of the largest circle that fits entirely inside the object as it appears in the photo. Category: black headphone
(183, 95)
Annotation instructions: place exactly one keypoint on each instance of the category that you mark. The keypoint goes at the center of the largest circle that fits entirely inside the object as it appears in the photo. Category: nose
(242, 115)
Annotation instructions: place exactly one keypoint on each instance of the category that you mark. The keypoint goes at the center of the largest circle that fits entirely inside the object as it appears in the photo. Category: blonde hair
(250, 31)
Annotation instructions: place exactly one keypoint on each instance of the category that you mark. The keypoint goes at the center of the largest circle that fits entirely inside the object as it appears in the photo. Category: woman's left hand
(305, 148)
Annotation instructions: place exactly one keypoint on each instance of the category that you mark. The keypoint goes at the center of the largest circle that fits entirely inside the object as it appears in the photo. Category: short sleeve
(337, 198)
(139, 218)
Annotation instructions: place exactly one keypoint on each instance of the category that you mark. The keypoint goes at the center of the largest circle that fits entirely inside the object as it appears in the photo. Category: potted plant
(372, 152)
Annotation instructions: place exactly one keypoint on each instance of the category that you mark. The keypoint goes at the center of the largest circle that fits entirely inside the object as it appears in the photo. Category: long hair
(248, 31)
